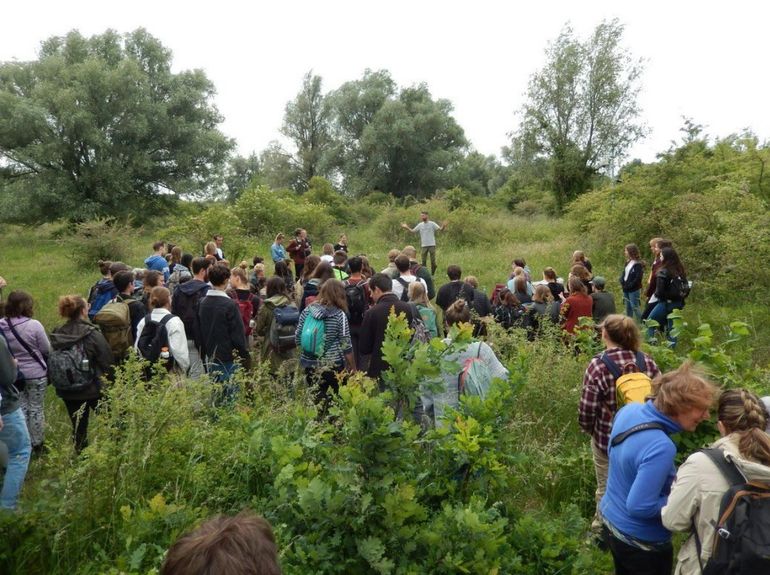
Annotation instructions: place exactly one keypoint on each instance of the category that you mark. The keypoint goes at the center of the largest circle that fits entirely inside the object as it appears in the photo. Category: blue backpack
(102, 298)
(313, 337)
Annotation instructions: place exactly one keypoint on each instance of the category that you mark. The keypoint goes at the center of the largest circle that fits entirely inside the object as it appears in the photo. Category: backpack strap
(612, 367)
(621, 437)
(726, 467)
(25, 345)
(641, 364)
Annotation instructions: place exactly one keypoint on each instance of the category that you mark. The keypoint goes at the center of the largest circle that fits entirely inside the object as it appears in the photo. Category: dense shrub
(94, 240)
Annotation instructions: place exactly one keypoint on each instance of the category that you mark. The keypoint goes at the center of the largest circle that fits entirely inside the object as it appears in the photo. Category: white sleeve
(177, 341)
(139, 329)
(496, 368)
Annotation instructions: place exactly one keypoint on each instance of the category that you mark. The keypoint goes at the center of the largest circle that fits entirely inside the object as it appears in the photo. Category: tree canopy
(581, 112)
(101, 126)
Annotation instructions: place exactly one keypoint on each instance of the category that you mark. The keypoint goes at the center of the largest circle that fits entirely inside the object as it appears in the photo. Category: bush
(101, 239)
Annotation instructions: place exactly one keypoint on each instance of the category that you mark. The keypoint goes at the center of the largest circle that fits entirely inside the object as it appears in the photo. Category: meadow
(505, 487)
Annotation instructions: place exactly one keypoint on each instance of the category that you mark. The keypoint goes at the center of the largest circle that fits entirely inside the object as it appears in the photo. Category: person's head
(279, 239)
(621, 331)
(328, 250)
(380, 284)
(332, 293)
(124, 282)
(275, 286)
(458, 312)
(282, 269)
(116, 267)
(631, 251)
(355, 264)
(599, 282)
(259, 270)
(509, 299)
(542, 294)
(343, 240)
(219, 275)
(186, 261)
(575, 285)
(160, 297)
(311, 263)
(663, 243)
(257, 260)
(580, 271)
(218, 240)
(238, 278)
(200, 267)
(210, 249)
(393, 254)
(519, 263)
(472, 281)
(654, 245)
(417, 293)
(159, 248)
(520, 284)
(300, 234)
(340, 257)
(671, 262)
(152, 278)
(578, 257)
(72, 307)
(549, 274)
(518, 271)
(176, 255)
(104, 267)
(410, 252)
(323, 272)
(740, 411)
(684, 395)
(402, 264)
(241, 545)
(424, 216)
(454, 272)
(19, 304)
(366, 268)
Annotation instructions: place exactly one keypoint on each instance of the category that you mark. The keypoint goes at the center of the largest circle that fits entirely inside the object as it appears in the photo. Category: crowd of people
(199, 316)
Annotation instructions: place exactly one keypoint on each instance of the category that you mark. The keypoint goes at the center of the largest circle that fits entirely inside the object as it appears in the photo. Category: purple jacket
(32, 332)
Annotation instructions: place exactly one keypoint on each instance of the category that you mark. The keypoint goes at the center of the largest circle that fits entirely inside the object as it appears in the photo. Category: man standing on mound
(427, 230)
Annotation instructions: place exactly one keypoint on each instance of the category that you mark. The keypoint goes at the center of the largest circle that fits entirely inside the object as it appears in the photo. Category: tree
(581, 111)
(100, 126)
(241, 172)
(306, 124)
(278, 169)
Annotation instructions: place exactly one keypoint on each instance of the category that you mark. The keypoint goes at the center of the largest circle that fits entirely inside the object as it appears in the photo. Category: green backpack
(313, 337)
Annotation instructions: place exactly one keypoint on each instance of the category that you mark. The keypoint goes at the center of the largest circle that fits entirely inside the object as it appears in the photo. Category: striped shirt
(337, 342)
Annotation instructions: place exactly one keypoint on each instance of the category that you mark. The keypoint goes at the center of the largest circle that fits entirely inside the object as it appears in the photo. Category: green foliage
(101, 127)
(101, 239)
(683, 197)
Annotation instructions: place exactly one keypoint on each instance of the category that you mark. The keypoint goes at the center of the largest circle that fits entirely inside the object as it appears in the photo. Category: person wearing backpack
(359, 298)
(181, 272)
(696, 498)
(119, 318)
(419, 298)
(104, 269)
(184, 305)
(104, 290)
(14, 436)
(277, 329)
(79, 358)
(223, 338)
(641, 469)
(419, 271)
(157, 261)
(671, 289)
(435, 401)
(124, 283)
(598, 401)
(323, 336)
(312, 287)
(405, 277)
(29, 345)
(161, 329)
(248, 305)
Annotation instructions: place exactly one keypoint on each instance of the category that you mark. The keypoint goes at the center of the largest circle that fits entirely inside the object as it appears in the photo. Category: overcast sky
(703, 60)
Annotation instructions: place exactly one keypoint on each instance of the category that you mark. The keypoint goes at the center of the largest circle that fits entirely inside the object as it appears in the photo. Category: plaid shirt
(598, 403)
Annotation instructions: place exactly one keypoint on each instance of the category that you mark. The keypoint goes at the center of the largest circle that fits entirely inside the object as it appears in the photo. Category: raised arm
(406, 227)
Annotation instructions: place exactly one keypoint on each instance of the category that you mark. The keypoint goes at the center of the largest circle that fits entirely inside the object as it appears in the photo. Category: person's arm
(101, 354)
(366, 335)
(685, 497)
(300, 325)
(590, 399)
(177, 343)
(7, 365)
(661, 283)
(441, 227)
(634, 277)
(407, 228)
(238, 334)
(346, 343)
(264, 319)
(496, 369)
(646, 497)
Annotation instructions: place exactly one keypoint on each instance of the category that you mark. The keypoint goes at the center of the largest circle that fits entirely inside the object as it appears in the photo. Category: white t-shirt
(398, 289)
(427, 233)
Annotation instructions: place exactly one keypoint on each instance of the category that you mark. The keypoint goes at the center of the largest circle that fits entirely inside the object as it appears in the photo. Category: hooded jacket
(337, 342)
(264, 321)
(189, 289)
(641, 472)
(158, 263)
(97, 350)
(696, 496)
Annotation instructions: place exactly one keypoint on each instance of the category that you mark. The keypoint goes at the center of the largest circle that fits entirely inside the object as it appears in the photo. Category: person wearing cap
(604, 302)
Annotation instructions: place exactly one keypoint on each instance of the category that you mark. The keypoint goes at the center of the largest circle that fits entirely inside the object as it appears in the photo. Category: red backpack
(246, 308)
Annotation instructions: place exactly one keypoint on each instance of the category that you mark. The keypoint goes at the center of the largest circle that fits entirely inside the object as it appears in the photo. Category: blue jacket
(159, 263)
(278, 253)
(641, 472)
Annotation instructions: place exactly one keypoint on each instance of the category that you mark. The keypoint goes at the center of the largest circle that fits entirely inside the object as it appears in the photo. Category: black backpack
(185, 307)
(742, 539)
(356, 296)
(678, 289)
(154, 338)
(405, 292)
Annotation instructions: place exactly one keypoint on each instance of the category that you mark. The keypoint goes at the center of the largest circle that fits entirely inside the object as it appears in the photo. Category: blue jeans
(633, 300)
(660, 313)
(16, 437)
